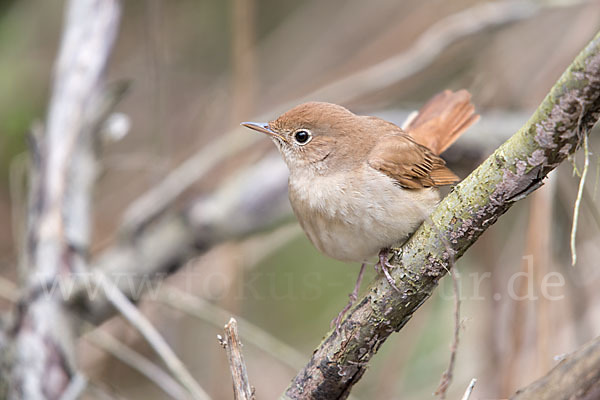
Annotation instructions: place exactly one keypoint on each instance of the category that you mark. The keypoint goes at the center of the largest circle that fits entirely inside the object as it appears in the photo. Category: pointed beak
(264, 128)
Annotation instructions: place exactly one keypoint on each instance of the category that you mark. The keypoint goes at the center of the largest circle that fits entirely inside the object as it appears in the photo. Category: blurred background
(199, 68)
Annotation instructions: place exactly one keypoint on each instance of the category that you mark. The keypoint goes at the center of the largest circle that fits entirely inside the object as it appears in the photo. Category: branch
(231, 343)
(204, 310)
(152, 336)
(138, 362)
(63, 171)
(577, 376)
(514, 170)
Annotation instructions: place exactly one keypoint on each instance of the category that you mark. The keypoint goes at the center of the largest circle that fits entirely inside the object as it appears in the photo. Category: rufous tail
(442, 120)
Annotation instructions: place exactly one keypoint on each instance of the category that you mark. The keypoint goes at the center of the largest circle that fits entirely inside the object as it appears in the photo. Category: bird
(359, 185)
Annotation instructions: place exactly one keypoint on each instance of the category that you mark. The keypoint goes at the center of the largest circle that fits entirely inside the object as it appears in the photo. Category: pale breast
(352, 219)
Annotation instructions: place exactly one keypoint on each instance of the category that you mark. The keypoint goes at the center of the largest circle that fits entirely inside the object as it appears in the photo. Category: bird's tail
(442, 120)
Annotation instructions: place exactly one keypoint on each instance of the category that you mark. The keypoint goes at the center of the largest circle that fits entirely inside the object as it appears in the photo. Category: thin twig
(449, 373)
(578, 200)
(469, 390)
(149, 332)
(76, 387)
(426, 49)
(98, 391)
(216, 316)
(138, 362)
(241, 384)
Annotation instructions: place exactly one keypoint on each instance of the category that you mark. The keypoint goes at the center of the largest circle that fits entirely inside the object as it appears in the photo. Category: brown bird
(358, 184)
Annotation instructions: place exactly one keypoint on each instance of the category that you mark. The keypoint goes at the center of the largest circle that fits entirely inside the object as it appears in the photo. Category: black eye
(302, 136)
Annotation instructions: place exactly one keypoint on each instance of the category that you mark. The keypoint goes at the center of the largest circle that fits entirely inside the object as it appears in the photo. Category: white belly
(351, 220)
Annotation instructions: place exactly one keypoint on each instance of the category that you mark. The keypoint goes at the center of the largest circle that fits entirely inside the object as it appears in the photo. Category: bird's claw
(384, 265)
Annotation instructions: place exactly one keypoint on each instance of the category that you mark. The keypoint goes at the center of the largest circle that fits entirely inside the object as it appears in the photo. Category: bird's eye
(302, 137)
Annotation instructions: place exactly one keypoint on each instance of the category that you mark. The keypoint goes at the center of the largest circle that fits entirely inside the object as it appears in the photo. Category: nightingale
(359, 184)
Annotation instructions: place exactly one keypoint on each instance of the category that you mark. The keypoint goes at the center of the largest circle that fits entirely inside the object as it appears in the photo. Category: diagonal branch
(514, 170)
(576, 376)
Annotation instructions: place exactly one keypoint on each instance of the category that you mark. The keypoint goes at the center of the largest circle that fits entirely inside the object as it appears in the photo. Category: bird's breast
(351, 215)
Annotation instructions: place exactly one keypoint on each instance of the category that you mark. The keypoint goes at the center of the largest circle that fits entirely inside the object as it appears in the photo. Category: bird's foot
(353, 296)
(383, 265)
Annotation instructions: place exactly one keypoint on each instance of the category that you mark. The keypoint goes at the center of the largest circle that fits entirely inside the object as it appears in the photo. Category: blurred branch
(63, 170)
(204, 310)
(576, 377)
(76, 387)
(426, 49)
(515, 170)
(253, 199)
(152, 336)
(232, 345)
(135, 360)
(243, 55)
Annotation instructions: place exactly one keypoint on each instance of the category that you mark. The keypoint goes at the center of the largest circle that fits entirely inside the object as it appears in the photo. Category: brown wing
(413, 166)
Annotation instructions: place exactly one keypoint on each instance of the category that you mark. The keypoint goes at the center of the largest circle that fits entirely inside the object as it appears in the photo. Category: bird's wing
(411, 165)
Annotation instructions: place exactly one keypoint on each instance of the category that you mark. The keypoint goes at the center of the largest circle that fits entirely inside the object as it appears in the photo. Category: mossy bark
(515, 169)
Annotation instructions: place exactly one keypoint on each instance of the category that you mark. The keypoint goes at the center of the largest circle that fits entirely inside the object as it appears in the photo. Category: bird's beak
(264, 128)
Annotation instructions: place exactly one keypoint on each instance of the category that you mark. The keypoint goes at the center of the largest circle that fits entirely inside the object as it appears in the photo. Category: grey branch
(41, 346)
(516, 168)
(241, 384)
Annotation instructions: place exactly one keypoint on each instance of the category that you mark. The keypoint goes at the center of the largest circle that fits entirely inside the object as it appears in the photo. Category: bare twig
(216, 316)
(98, 391)
(578, 200)
(149, 332)
(135, 360)
(469, 390)
(426, 49)
(76, 387)
(449, 373)
(241, 384)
